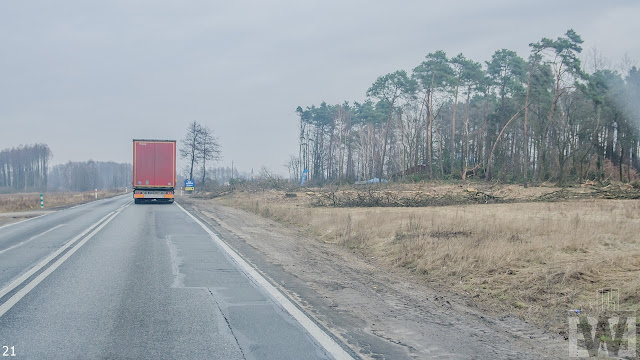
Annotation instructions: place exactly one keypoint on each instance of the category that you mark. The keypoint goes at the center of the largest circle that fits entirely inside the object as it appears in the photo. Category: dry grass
(535, 259)
(31, 201)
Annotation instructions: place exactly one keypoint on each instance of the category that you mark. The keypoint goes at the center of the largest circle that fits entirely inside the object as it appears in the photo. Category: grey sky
(85, 77)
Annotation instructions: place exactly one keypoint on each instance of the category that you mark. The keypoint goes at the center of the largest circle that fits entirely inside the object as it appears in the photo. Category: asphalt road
(114, 280)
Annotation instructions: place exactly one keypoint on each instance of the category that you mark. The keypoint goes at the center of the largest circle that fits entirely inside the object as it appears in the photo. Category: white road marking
(321, 337)
(44, 262)
(25, 290)
(31, 238)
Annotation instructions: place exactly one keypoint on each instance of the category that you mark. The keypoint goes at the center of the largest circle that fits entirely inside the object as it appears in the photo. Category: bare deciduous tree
(207, 149)
(189, 148)
(199, 146)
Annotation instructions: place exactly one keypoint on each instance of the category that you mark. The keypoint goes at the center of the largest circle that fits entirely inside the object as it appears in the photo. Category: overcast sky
(86, 77)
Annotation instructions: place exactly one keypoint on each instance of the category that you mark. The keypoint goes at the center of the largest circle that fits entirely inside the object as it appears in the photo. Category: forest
(24, 168)
(545, 118)
(90, 175)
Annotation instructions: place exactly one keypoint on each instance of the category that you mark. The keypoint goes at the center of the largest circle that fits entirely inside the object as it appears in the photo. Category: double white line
(91, 231)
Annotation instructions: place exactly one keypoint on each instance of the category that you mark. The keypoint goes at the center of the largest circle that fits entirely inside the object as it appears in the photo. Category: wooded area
(541, 119)
(24, 168)
(90, 175)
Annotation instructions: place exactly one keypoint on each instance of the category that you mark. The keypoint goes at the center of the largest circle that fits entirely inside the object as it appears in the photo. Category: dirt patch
(380, 309)
(9, 218)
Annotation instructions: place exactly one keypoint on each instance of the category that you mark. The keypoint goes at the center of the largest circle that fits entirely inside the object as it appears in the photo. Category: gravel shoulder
(13, 217)
(381, 313)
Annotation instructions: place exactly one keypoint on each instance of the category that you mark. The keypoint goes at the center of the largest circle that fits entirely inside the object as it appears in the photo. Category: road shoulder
(377, 311)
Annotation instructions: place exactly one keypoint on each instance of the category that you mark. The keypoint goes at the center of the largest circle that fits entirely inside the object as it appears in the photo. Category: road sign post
(41, 201)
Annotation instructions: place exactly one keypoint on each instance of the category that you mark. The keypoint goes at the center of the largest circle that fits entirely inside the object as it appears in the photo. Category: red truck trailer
(154, 170)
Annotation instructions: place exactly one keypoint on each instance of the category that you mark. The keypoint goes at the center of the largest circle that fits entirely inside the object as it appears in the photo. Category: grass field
(535, 259)
(31, 201)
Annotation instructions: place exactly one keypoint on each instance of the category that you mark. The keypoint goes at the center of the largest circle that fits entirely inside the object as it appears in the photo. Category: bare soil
(12, 217)
(382, 311)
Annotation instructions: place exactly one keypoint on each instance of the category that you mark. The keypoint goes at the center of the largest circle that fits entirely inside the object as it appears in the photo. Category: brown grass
(31, 201)
(536, 259)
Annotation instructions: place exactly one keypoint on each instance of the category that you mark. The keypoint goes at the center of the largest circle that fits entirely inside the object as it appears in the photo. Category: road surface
(112, 280)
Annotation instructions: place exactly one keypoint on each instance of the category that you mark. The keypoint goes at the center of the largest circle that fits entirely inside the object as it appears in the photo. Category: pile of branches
(387, 198)
(377, 197)
(619, 192)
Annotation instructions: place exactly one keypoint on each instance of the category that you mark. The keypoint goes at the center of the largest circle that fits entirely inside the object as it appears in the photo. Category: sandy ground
(382, 313)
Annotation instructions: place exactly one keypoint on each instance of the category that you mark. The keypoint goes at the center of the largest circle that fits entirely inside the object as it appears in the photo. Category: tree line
(541, 119)
(24, 168)
(90, 175)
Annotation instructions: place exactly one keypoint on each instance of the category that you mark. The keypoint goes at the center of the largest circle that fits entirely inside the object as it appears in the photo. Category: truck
(154, 170)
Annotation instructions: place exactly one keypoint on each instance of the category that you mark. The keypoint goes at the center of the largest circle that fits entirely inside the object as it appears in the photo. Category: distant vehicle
(154, 170)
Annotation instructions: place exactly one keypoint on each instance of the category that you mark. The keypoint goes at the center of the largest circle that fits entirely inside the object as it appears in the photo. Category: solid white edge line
(25, 290)
(21, 221)
(31, 238)
(312, 328)
(7, 289)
